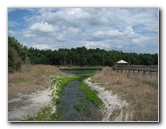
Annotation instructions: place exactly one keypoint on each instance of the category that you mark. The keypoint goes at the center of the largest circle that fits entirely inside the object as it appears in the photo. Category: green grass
(80, 107)
(91, 94)
(83, 100)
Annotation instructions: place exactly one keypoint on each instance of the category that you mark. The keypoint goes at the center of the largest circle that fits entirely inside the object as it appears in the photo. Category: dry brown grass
(35, 78)
(140, 90)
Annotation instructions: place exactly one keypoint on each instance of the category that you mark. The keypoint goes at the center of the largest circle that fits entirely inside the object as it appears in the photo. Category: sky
(122, 29)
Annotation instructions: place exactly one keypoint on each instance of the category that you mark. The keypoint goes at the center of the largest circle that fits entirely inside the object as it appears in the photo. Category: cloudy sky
(122, 29)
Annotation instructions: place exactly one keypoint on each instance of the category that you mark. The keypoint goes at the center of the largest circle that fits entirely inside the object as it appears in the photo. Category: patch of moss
(91, 94)
(80, 107)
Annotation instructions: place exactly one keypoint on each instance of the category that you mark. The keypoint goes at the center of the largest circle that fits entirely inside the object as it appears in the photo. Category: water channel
(73, 98)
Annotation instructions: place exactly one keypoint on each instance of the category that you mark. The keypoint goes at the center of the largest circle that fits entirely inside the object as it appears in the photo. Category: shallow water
(71, 96)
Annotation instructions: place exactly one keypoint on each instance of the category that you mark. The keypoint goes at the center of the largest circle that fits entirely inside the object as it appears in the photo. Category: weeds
(37, 78)
(140, 90)
(91, 94)
(80, 107)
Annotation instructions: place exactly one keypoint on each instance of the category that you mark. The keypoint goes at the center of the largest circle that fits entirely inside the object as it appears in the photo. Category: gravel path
(111, 102)
(28, 105)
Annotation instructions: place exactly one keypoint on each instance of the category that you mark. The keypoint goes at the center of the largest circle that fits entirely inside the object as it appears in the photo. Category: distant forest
(80, 56)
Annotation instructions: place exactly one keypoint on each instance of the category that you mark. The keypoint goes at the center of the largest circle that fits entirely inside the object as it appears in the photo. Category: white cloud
(96, 45)
(108, 33)
(75, 11)
(129, 30)
(43, 27)
(41, 46)
(107, 28)
(29, 35)
(115, 34)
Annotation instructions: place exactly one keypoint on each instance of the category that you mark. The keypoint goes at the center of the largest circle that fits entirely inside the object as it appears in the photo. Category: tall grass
(31, 79)
(140, 90)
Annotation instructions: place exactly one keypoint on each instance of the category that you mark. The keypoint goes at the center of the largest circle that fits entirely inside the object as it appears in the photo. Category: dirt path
(28, 105)
(114, 108)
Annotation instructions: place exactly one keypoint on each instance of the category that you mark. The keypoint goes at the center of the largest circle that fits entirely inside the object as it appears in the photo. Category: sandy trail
(111, 102)
(28, 105)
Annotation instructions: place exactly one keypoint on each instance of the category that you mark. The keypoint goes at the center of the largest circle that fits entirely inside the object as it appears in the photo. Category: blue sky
(123, 29)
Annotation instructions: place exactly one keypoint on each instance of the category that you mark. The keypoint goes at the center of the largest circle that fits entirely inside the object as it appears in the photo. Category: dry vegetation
(31, 79)
(140, 90)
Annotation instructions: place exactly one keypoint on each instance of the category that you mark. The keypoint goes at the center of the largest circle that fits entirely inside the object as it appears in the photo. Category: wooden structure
(144, 68)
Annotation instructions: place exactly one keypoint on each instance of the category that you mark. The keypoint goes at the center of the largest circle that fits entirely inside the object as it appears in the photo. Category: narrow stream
(73, 99)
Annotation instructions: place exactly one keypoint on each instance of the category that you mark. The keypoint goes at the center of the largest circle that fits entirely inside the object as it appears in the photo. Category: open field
(31, 79)
(139, 90)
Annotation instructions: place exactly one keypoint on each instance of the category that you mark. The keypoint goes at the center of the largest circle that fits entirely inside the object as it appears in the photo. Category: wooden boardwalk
(144, 68)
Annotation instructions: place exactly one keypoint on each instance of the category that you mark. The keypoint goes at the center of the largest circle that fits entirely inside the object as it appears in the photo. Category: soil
(28, 105)
(112, 103)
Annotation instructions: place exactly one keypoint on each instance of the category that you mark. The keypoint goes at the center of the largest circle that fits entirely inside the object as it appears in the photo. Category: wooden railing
(144, 68)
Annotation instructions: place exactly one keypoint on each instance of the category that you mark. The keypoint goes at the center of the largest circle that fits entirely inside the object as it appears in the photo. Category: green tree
(14, 52)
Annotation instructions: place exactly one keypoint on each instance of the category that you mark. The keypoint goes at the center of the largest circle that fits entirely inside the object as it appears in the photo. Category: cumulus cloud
(42, 26)
(107, 28)
(108, 32)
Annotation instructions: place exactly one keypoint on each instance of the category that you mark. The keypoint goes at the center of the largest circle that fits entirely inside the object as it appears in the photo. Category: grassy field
(31, 79)
(140, 90)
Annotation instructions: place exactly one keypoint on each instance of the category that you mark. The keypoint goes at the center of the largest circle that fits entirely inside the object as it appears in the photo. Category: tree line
(80, 56)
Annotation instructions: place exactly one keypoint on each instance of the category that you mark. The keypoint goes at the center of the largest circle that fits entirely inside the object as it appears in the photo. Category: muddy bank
(28, 105)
